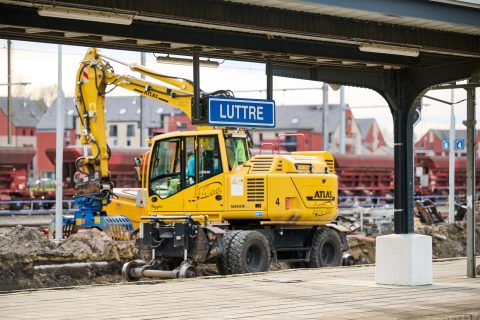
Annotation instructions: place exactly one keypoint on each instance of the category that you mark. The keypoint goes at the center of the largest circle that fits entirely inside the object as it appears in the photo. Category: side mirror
(138, 165)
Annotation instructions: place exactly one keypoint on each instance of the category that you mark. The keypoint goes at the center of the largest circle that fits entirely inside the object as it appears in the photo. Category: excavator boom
(94, 80)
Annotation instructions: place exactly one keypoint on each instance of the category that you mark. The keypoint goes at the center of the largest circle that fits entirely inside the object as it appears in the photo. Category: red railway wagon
(373, 175)
(121, 166)
(15, 164)
(432, 175)
(364, 175)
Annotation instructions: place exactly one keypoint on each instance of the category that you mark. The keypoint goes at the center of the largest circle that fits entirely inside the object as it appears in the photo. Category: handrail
(267, 144)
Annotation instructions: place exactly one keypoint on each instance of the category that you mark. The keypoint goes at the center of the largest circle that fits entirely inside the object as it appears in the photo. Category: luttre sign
(224, 111)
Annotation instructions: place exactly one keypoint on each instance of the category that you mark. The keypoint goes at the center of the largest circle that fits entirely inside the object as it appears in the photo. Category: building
(372, 137)
(431, 142)
(26, 114)
(123, 125)
(300, 128)
(46, 137)
(17, 160)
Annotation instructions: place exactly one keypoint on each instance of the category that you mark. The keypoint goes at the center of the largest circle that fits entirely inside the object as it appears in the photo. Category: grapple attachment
(69, 227)
(117, 227)
(90, 214)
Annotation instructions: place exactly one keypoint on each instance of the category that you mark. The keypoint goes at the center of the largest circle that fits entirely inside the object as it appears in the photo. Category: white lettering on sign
(235, 111)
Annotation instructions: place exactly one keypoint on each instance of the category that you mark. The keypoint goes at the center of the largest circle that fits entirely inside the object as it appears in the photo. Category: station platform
(335, 293)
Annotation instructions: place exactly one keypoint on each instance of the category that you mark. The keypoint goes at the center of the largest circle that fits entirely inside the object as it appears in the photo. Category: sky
(37, 63)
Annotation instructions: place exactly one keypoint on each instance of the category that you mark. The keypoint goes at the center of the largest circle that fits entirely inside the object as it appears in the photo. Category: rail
(29, 207)
(374, 202)
(345, 202)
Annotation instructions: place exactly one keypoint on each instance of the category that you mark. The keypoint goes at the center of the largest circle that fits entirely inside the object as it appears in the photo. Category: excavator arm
(95, 79)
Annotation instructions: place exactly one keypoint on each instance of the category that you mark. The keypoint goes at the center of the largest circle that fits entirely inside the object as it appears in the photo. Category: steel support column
(196, 112)
(403, 174)
(269, 72)
(471, 196)
(403, 92)
(9, 92)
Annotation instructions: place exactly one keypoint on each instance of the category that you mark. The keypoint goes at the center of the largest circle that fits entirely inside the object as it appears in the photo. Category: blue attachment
(90, 214)
(89, 208)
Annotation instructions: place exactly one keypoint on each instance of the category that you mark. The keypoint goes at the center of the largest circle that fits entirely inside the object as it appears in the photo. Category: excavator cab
(186, 169)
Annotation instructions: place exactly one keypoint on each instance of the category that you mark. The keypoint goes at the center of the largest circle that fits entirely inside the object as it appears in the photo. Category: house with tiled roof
(17, 159)
(372, 137)
(26, 114)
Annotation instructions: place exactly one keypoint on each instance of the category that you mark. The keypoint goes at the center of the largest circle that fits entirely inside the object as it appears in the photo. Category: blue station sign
(224, 111)
(459, 144)
(445, 144)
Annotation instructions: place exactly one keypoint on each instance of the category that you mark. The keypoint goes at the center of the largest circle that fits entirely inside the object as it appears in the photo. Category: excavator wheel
(326, 249)
(249, 252)
(223, 264)
(126, 270)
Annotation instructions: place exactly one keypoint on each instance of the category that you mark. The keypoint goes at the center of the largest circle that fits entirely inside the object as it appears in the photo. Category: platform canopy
(309, 34)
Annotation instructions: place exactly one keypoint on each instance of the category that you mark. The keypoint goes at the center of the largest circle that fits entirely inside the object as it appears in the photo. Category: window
(67, 137)
(237, 152)
(165, 168)
(210, 162)
(176, 164)
(31, 133)
(24, 132)
(191, 162)
(130, 130)
(129, 142)
(113, 130)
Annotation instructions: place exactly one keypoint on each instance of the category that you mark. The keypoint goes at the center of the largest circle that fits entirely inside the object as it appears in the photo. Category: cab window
(191, 162)
(210, 163)
(165, 169)
(237, 152)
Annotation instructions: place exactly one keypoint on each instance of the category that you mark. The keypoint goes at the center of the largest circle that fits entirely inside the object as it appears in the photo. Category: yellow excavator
(204, 198)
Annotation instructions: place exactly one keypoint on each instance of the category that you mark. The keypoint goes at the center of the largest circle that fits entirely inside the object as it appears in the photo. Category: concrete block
(404, 259)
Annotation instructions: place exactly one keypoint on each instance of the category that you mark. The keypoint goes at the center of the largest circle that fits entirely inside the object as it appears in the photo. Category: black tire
(249, 252)
(326, 249)
(223, 265)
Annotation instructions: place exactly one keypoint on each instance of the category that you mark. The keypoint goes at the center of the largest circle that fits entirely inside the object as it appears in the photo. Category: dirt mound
(362, 248)
(24, 252)
(449, 240)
